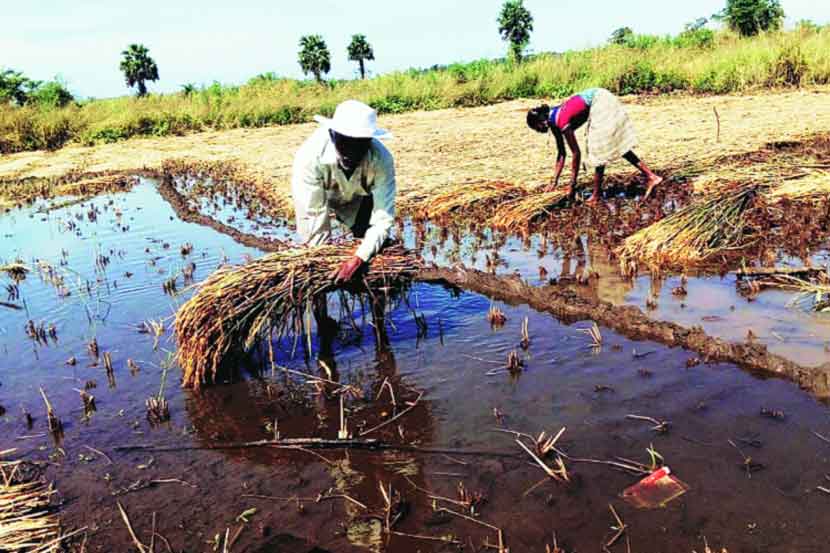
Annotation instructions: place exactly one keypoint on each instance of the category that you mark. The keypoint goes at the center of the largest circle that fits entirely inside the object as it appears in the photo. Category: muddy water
(199, 495)
(712, 302)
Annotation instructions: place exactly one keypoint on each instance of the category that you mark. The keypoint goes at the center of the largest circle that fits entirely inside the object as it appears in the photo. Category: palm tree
(314, 56)
(138, 67)
(360, 50)
(515, 26)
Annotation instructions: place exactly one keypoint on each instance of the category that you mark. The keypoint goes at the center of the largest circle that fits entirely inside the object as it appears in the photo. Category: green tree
(750, 17)
(314, 56)
(51, 94)
(621, 36)
(360, 50)
(515, 26)
(15, 87)
(138, 67)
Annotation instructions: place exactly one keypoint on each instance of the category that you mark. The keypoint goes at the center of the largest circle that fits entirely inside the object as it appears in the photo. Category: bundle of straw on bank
(238, 306)
(815, 186)
(692, 235)
(470, 195)
(27, 520)
(522, 211)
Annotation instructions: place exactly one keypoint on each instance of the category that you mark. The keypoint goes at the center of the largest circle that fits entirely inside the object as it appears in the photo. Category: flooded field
(753, 452)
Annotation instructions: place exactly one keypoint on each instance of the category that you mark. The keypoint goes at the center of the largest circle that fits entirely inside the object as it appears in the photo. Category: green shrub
(642, 42)
(696, 38)
(789, 67)
(51, 94)
(394, 103)
(524, 87)
(104, 135)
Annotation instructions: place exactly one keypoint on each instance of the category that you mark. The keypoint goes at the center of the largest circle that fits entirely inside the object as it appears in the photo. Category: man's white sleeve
(383, 213)
(310, 207)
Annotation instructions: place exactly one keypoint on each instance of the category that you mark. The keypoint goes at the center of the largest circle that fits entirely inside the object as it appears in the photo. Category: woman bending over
(610, 135)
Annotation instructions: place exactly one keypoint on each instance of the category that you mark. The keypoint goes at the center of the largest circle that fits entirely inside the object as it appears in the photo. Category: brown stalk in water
(661, 427)
(92, 348)
(55, 424)
(619, 527)
(525, 343)
(496, 317)
(560, 473)
(88, 401)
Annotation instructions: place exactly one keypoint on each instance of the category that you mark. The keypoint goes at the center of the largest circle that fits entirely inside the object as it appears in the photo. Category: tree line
(515, 25)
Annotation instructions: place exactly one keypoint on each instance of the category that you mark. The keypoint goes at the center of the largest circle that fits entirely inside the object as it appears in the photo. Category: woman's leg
(652, 179)
(596, 197)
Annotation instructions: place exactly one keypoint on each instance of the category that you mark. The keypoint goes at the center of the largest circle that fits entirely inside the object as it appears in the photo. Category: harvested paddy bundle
(692, 235)
(27, 520)
(471, 195)
(522, 211)
(16, 271)
(237, 306)
(815, 186)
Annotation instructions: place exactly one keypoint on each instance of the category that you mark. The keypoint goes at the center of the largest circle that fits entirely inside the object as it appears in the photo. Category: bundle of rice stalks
(469, 195)
(27, 520)
(237, 306)
(17, 271)
(815, 186)
(693, 234)
(522, 211)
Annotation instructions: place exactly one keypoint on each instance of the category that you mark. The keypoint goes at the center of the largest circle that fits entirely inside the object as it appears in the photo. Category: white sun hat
(355, 119)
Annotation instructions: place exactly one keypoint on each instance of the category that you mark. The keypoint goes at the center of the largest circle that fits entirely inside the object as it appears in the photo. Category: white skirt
(610, 133)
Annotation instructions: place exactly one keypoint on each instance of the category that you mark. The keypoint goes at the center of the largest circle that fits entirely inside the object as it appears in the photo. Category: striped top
(573, 113)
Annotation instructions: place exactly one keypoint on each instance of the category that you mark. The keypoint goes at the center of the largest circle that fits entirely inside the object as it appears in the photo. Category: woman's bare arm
(573, 144)
(561, 154)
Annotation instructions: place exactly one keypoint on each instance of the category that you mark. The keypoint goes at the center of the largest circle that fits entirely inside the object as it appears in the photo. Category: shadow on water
(269, 499)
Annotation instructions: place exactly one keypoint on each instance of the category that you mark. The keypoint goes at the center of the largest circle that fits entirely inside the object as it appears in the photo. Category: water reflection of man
(344, 168)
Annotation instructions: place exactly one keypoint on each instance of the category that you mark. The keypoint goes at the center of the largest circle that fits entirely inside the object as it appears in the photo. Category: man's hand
(347, 270)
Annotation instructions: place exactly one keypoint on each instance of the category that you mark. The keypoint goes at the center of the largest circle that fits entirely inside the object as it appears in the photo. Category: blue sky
(205, 40)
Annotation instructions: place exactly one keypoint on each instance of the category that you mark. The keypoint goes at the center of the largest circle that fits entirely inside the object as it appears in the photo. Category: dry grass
(441, 151)
(692, 235)
(522, 211)
(238, 306)
(814, 186)
(27, 520)
(713, 227)
(19, 192)
(472, 195)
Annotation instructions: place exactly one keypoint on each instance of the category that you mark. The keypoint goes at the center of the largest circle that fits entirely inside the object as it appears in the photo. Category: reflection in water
(285, 405)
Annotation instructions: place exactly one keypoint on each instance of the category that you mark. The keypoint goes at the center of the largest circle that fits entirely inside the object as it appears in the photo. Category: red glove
(347, 269)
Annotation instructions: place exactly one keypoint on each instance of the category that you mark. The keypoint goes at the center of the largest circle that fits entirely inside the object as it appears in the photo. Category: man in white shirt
(343, 167)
